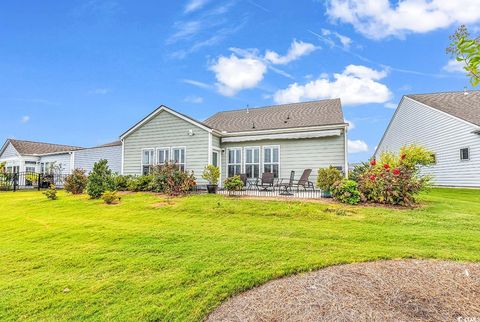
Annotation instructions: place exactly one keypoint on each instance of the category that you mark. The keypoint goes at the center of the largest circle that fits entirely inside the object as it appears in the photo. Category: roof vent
(253, 125)
(248, 109)
(465, 91)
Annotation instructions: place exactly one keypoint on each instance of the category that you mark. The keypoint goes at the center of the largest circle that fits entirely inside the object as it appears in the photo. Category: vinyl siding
(216, 142)
(298, 154)
(62, 159)
(441, 133)
(85, 159)
(167, 130)
(9, 152)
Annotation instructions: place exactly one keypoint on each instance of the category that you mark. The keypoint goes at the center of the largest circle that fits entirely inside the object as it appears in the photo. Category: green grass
(138, 261)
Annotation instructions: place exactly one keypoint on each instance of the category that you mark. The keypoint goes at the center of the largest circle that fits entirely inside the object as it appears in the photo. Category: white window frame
(272, 163)
(259, 163)
(468, 150)
(172, 154)
(141, 159)
(236, 161)
(168, 159)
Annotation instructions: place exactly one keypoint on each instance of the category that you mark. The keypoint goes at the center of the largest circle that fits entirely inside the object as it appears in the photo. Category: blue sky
(82, 72)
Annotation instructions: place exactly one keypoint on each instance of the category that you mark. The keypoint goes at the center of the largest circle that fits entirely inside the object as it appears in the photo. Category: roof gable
(463, 105)
(160, 109)
(294, 115)
(36, 148)
(5, 147)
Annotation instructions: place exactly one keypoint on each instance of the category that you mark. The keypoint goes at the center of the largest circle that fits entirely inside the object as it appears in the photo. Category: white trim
(209, 148)
(296, 135)
(185, 156)
(345, 134)
(287, 130)
(259, 159)
(72, 161)
(228, 161)
(123, 157)
(219, 159)
(279, 159)
(158, 111)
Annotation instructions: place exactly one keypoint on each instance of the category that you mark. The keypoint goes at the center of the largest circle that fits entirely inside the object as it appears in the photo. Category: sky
(82, 72)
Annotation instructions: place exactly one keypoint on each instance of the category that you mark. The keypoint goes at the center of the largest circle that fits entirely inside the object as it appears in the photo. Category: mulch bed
(396, 290)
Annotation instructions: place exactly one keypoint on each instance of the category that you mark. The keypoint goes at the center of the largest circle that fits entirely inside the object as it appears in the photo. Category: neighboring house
(39, 157)
(275, 139)
(448, 124)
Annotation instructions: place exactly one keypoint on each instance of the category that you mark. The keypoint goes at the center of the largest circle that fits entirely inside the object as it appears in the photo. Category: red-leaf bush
(395, 179)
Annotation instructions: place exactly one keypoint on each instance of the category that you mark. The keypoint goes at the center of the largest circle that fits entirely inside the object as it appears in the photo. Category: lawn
(78, 259)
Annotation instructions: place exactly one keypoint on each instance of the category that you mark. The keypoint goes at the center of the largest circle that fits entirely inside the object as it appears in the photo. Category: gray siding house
(39, 157)
(446, 123)
(275, 139)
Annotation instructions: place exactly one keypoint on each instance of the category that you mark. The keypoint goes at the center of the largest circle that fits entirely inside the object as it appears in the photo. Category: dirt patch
(397, 290)
(162, 204)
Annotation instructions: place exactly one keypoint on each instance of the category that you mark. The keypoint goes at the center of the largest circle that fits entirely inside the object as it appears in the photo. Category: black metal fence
(30, 180)
(271, 192)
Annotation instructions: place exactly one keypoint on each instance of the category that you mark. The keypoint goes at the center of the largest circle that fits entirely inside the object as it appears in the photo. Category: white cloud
(25, 119)
(194, 5)
(194, 99)
(351, 125)
(197, 83)
(344, 40)
(390, 105)
(99, 91)
(454, 66)
(356, 146)
(234, 74)
(297, 49)
(355, 85)
(378, 19)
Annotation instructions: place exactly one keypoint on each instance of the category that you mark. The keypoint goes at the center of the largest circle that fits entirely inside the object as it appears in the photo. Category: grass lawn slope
(78, 259)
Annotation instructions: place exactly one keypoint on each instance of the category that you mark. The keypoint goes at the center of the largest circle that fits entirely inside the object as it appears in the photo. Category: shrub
(110, 197)
(139, 183)
(234, 183)
(32, 178)
(120, 182)
(211, 173)
(327, 177)
(395, 178)
(169, 179)
(99, 180)
(358, 170)
(51, 193)
(346, 191)
(76, 182)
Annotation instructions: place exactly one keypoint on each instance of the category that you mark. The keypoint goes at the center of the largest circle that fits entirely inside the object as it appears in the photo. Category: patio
(275, 192)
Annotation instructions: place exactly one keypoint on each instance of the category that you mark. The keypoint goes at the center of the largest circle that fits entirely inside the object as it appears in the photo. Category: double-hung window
(252, 162)
(148, 157)
(271, 160)
(234, 162)
(179, 157)
(163, 155)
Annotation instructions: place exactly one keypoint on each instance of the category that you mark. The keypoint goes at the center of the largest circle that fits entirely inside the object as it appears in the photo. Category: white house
(27, 156)
(447, 123)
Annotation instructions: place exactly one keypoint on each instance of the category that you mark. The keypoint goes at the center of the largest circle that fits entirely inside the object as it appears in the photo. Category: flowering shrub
(395, 179)
(346, 191)
(76, 182)
(169, 179)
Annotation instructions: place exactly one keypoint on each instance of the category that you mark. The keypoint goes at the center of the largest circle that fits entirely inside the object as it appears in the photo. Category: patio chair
(285, 188)
(243, 177)
(303, 181)
(266, 181)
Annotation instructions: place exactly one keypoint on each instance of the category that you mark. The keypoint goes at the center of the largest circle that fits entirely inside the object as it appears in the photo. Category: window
(252, 162)
(271, 157)
(30, 169)
(465, 154)
(215, 158)
(147, 160)
(163, 155)
(234, 161)
(178, 156)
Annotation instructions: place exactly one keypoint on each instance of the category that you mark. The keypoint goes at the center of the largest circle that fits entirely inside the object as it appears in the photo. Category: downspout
(345, 134)
(123, 156)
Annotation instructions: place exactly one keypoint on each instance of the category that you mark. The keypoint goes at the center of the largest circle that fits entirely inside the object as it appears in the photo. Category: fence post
(15, 181)
(39, 183)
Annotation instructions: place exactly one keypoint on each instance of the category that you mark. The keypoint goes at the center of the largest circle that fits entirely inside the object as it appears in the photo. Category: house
(446, 123)
(275, 139)
(27, 156)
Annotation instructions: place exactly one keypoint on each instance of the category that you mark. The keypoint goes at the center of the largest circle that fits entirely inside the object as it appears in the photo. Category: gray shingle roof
(30, 147)
(316, 113)
(465, 107)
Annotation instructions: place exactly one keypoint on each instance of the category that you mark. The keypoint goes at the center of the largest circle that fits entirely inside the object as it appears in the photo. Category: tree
(467, 50)
(100, 180)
